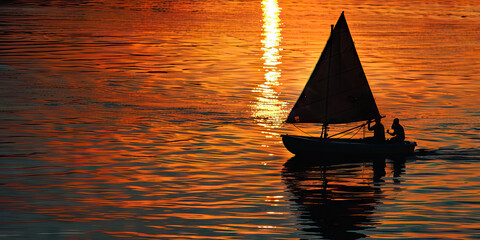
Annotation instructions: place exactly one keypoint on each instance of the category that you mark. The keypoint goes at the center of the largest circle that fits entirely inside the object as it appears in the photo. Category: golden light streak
(268, 110)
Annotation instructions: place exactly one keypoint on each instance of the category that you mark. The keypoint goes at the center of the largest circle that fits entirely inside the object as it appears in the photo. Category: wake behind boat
(338, 92)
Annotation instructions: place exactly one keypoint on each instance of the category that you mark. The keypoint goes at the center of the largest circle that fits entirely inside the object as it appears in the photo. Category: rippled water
(161, 119)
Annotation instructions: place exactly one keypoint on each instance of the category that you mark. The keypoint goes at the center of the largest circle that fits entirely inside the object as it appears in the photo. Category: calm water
(161, 120)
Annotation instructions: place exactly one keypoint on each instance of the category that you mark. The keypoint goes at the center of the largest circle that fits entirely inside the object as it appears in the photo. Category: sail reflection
(268, 110)
(336, 201)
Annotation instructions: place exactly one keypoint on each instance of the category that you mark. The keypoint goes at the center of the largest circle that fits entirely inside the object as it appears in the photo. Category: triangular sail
(338, 90)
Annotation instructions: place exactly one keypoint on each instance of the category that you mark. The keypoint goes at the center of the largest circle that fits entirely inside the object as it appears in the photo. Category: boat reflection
(337, 201)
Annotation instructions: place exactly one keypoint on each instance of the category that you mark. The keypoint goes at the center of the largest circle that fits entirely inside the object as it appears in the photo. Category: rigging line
(363, 126)
(301, 130)
(345, 133)
(351, 129)
(348, 130)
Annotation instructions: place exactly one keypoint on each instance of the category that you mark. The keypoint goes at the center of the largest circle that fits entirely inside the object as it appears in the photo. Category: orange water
(146, 119)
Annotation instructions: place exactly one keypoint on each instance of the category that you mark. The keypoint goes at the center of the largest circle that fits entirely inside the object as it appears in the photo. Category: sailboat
(337, 92)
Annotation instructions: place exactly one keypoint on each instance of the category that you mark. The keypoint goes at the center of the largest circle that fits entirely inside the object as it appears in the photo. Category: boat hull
(302, 145)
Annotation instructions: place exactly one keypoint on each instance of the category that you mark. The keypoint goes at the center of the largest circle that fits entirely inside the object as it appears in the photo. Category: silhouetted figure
(378, 131)
(398, 132)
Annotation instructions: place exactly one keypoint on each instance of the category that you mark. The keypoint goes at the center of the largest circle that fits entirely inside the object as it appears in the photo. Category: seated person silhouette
(398, 131)
(378, 131)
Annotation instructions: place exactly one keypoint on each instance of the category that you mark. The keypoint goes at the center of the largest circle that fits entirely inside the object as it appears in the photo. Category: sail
(338, 90)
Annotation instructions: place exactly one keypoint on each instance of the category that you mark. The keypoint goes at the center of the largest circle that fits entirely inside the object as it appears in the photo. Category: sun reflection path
(268, 111)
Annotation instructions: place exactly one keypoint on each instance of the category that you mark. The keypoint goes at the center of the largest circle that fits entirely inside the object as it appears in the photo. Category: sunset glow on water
(162, 120)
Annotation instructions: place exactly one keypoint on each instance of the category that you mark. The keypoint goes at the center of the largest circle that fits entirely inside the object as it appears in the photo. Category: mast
(337, 90)
(325, 123)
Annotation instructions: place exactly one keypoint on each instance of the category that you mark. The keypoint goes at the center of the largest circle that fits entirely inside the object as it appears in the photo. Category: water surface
(162, 120)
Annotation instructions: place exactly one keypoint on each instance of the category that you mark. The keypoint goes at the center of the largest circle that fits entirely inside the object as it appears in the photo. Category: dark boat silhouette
(336, 93)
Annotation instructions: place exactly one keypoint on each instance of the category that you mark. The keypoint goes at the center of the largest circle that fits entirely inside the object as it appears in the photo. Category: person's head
(377, 120)
(396, 121)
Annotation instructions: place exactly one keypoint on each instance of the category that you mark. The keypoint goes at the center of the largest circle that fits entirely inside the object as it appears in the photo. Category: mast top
(337, 91)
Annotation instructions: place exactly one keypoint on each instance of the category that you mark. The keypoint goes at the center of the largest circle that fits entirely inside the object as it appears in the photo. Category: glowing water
(145, 119)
